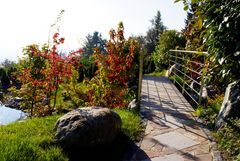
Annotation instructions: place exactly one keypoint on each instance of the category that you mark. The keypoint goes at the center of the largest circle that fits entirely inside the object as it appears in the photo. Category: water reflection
(8, 115)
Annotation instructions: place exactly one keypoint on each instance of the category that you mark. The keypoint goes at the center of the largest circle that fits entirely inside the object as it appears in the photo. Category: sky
(25, 22)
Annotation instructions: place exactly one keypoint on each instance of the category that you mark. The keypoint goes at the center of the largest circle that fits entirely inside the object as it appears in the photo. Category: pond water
(8, 115)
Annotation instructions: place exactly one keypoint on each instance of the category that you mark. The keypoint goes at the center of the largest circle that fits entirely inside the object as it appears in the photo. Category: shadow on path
(172, 132)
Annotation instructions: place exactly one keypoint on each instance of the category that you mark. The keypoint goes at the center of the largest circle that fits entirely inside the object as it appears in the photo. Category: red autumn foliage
(115, 69)
(43, 71)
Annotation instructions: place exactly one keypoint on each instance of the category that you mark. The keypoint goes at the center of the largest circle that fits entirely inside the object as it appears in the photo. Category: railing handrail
(181, 59)
(189, 51)
(186, 60)
(186, 67)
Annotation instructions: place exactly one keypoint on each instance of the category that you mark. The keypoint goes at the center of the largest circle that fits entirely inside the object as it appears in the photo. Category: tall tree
(7, 64)
(93, 41)
(154, 32)
(170, 39)
(152, 38)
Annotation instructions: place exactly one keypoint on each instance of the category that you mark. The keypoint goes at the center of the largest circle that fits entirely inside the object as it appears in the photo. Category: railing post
(140, 78)
(202, 80)
(174, 78)
(184, 73)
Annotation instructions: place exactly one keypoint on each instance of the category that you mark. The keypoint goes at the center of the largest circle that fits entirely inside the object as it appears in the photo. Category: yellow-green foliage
(216, 102)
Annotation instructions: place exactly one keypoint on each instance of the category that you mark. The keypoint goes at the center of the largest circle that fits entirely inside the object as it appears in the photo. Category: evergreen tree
(154, 33)
(152, 38)
(93, 41)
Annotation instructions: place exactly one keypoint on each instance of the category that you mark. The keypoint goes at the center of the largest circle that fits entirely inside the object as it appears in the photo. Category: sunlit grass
(32, 139)
(158, 73)
(130, 123)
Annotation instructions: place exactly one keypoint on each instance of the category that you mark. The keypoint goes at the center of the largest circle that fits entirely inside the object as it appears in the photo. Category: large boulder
(87, 127)
(231, 104)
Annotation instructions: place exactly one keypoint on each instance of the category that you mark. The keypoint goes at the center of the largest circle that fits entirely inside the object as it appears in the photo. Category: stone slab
(172, 157)
(170, 121)
(175, 140)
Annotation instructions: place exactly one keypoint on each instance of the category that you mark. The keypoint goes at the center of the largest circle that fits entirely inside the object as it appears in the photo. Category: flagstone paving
(172, 132)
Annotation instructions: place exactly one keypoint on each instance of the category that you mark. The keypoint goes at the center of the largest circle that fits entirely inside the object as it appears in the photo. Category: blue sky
(25, 22)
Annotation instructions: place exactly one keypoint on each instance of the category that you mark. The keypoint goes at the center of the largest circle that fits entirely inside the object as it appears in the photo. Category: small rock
(169, 71)
(133, 105)
(17, 99)
(14, 103)
(87, 127)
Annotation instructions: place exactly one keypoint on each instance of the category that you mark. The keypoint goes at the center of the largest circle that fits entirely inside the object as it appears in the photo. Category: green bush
(169, 39)
(216, 102)
(177, 79)
(228, 136)
(228, 139)
(208, 114)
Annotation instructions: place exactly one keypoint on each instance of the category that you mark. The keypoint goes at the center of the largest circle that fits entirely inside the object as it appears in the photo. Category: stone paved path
(172, 133)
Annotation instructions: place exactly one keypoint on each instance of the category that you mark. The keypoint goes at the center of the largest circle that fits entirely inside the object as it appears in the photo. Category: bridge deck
(172, 132)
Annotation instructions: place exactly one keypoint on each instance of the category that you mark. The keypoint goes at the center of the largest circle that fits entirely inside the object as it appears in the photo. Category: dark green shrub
(228, 139)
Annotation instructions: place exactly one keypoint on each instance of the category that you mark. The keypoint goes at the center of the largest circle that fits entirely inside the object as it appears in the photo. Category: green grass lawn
(130, 124)
(158, 73)
(32, 139)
